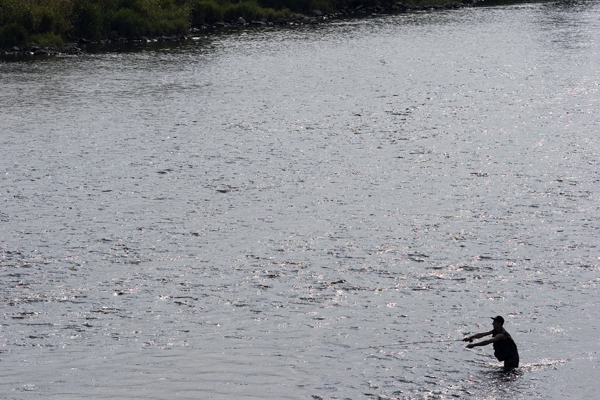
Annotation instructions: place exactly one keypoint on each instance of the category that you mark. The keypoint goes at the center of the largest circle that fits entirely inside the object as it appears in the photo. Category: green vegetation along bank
(41, 25)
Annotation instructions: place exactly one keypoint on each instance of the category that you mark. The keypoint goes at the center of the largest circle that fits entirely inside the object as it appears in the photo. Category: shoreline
(79, 47)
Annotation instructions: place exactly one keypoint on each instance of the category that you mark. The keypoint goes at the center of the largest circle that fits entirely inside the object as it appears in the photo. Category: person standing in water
(505, 348)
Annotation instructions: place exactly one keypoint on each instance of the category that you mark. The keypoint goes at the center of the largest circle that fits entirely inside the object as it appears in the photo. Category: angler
(505, 348)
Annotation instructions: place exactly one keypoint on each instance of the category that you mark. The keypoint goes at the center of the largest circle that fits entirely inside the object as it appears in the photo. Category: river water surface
(307, 213)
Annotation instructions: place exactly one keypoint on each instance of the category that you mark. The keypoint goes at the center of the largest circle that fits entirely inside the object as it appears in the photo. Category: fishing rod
(411, 343)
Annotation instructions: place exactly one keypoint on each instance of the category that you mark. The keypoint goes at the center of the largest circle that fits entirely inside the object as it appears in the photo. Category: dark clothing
(506, 350)
(511, 363)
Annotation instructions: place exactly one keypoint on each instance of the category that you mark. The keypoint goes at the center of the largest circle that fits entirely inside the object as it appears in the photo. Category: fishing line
(409, 343)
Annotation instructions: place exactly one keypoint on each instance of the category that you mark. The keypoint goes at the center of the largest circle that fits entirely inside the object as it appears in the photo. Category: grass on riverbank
(49, 23)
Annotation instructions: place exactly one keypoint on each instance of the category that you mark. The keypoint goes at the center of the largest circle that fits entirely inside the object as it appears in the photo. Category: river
(313, 212)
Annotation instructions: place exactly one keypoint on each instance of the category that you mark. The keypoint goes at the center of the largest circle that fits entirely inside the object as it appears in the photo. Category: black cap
(499, 319)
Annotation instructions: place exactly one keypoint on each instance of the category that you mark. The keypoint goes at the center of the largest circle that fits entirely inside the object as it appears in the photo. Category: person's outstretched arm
(476, 336)
(486, 342)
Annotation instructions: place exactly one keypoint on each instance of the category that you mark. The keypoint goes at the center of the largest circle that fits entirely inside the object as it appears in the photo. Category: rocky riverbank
(315, 17)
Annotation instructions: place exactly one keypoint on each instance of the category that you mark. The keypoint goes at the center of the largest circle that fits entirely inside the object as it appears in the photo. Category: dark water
(307, 213)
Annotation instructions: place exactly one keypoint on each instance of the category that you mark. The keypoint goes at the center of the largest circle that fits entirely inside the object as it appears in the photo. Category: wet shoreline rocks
(32, 50)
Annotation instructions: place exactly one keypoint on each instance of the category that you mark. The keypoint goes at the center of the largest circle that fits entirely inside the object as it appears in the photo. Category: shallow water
(307, 213)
